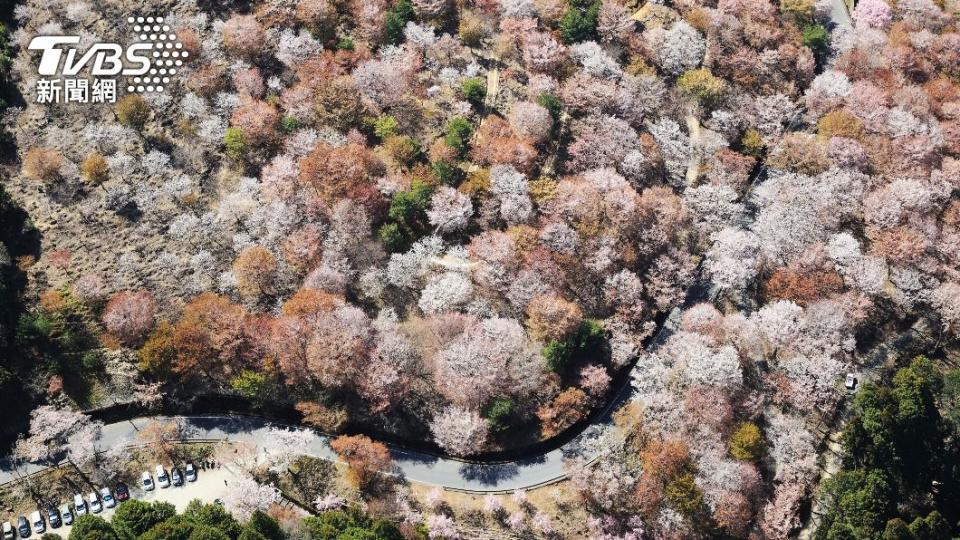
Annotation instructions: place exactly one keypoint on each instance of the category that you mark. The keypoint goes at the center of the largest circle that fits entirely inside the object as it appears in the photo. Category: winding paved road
(442, 471)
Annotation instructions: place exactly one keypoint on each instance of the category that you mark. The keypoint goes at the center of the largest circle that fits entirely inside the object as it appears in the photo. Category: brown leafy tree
(366, 457)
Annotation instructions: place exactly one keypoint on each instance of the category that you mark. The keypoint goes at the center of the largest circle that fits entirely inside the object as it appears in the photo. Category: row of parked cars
(94, 503)
(164, 480)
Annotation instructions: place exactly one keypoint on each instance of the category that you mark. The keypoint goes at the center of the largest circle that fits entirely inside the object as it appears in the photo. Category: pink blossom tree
(129, 314)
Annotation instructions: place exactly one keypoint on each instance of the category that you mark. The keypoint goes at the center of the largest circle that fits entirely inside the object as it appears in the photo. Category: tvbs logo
(147, 64)
(104, 59)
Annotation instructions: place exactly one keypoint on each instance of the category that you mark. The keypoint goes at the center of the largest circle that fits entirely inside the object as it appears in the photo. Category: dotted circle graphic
(167, 53)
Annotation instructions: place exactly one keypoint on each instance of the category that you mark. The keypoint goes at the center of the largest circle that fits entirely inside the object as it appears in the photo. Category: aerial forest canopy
(471, 225)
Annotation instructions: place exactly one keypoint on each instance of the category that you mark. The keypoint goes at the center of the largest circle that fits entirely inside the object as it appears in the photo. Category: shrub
(234, 142)
(385, 126)
(579, 22)
(702, 85)
(800, 10)
(458, 134)
(564, 411)
(397, 18)
(403, 149)
(840, 123)
(551, 103)
(132, 111)
(747, 443)
(393, 238)
(683, 494)
(95, 168)
(471, 31)
(474, 90)
(447, 173)
(41, 163)
(289, 124)
(500, 413)
(816, 37)
(753, 144)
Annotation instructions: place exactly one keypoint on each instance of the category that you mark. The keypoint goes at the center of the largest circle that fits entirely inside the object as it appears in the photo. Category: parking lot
(208, 487)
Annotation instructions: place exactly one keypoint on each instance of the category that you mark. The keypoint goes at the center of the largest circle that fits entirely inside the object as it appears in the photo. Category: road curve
(419, 467)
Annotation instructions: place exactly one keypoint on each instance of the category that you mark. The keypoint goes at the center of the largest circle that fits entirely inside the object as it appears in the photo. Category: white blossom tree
(245, 496)
(449, 210)
(459, 431)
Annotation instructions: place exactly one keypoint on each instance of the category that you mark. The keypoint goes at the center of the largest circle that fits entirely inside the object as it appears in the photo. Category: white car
(107, 497)
(95, 505)
(147, 481)
(79, 505)
(190, 473)
(163, 479)
(37, 521)
(66, 515)
(8, 533)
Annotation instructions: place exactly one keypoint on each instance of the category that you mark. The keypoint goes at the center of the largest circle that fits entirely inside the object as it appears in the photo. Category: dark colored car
(122, 492)
(23, 526)
(53, 517)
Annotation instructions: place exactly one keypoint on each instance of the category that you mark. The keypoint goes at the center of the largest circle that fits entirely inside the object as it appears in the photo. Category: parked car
(79, 505)
(176, 477)
(147, 481)
(8, 533)
(191, 473)
(23, 527)
(850, 382)
(39, 525)
(163, 479)
(66, 514)
(107, 497)
(95, 505)
(53, 516)
(121, 491)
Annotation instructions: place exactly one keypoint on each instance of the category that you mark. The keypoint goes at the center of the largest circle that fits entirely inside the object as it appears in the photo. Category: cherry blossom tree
(459, 431)
(55, 430)
(246, 496)
(490, 357)
(594, 379)
(283, 446)
(446, 292)
(129, 315)
(243, 35)
(450, 210)
(441, 526)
